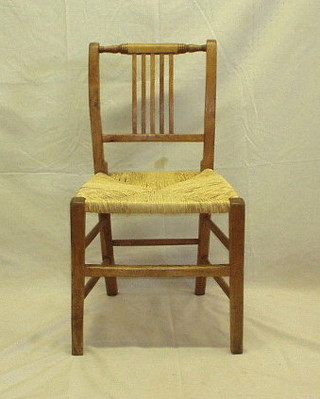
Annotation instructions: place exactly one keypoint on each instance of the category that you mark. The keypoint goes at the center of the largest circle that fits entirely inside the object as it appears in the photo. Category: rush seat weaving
(158, 192)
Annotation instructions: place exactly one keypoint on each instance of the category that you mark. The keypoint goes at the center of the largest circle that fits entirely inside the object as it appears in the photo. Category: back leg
(203, 252)
(107, 252)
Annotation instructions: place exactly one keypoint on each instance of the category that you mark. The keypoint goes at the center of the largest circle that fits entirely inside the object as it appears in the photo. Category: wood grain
(143, 94)
(156, 241)
(107, 251)
(236, 259)
(151, 138)
(77, 222)
(161, 94)
(203, 252)
(94, 107)
(134, 95)
(152, 94)
(153, 48)
(157, 270)
(171, 94)
(210, 106)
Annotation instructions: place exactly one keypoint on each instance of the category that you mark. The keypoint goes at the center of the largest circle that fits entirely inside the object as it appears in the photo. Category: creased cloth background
(156, 339)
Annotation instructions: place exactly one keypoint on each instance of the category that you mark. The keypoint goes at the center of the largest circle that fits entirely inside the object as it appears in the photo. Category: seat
(204, 192)
(157, 192)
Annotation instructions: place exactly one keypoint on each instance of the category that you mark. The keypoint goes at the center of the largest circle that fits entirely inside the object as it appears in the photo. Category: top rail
(153, 48)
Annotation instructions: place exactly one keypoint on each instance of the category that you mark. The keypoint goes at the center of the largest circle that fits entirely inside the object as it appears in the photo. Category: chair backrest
(141, 130)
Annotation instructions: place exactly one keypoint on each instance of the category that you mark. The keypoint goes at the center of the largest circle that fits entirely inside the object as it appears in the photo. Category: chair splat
(150, 81)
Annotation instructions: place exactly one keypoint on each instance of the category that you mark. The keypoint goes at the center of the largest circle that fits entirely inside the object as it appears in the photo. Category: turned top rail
(153, 48)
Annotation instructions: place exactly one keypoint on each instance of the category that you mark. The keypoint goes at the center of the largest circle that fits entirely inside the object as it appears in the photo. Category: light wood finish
(200, 286)
(161, 94)
(157, 270)
(78, 230)
(134, 95)
(94, 106)
(217, 232)
(203, 252)
(152, 70)
(143, 94)
(236, 259)
(152, 94)
(156, 241)
(171, 94)
(151, 138)
(107, 251)
(159, 58)
(153, 48)
(210, 106)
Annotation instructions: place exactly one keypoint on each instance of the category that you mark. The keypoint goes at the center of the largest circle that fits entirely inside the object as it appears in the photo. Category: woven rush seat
(166, 192)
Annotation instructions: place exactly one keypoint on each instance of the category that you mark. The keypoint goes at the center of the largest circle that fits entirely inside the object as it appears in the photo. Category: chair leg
(203, 252)
(107, 252)
(77, 218)
(236, 255)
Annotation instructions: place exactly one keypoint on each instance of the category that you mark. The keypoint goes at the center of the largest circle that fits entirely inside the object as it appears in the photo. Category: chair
(204, 192)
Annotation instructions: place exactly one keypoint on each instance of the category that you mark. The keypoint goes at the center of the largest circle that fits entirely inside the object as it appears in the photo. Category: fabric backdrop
(156, 339)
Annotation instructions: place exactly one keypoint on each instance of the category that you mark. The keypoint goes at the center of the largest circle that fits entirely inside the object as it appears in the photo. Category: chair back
(146, 125)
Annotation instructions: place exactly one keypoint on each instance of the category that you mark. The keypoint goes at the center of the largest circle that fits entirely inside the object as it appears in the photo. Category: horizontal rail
(157, 271)
(156, 241)
(90, 284)
(218, 233)
(93, 233)
(151, 138)
(153, 48)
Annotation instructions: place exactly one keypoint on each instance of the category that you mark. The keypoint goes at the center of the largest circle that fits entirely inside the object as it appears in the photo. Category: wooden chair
(204, 192)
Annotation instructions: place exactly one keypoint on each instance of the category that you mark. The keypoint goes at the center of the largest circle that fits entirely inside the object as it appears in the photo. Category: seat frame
(108, 269)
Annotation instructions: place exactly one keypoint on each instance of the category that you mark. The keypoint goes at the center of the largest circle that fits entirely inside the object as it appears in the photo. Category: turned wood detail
(153, 48)
(153, 101)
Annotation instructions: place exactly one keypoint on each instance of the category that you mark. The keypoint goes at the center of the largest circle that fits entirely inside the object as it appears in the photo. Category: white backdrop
(267, 146)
